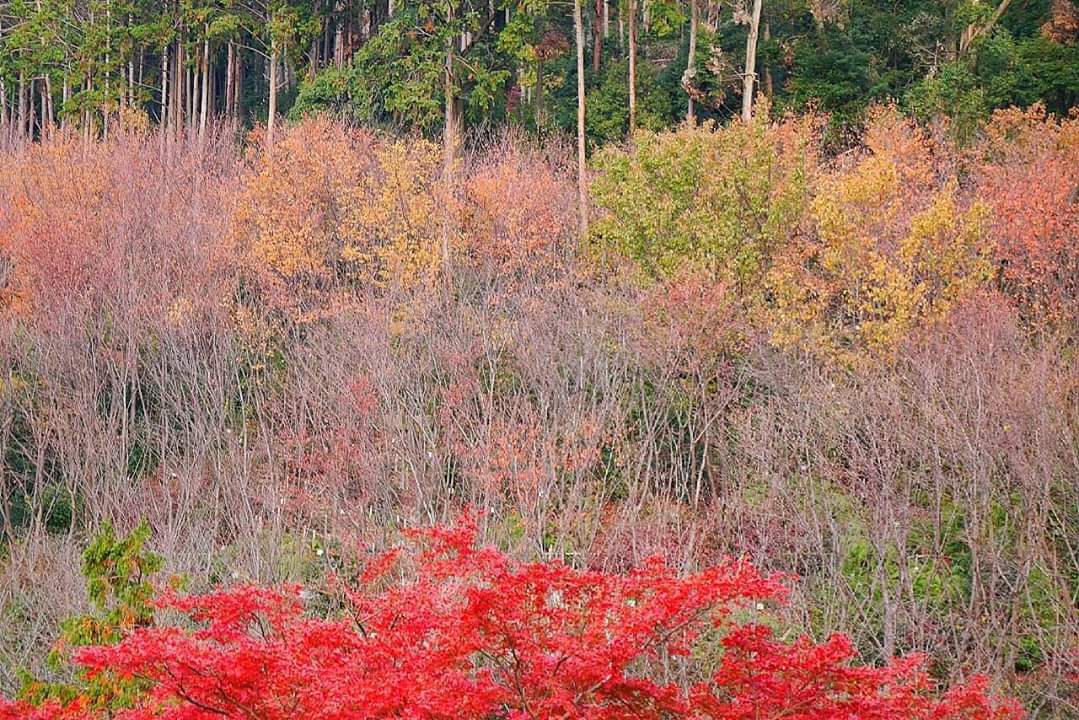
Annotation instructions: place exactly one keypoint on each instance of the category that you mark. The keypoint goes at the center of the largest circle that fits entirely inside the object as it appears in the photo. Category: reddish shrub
(476, 635)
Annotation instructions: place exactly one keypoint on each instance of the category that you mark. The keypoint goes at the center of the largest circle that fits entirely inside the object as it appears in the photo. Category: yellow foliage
(891, 247)
(333, 207)
(390, 218)
(286, 216)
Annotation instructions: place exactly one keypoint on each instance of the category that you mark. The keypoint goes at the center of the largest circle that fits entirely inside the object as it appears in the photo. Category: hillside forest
(534, 360)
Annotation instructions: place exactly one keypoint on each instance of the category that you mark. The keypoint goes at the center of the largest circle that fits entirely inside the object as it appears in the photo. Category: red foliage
(473, 634)
(1031, 180)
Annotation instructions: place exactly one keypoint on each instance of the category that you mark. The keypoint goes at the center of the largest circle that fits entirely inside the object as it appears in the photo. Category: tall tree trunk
(597, 37)
(4, 125)
(23, 115)
(750, 76)
(230, 77)
(86, 86)
(271, 118)
(632, 66)
(191, 81)
(582, 192)
(43, 91)
(176, 109)
(163, 114)
(108, 68)
(205, 101)
(769, 90)
(449, 145)
(539, 107)
(130, 99)
(238, 110)
(327, 42)
(48, 116)
(30, 110)
(690, 78)
(65, 96)
(339, 38)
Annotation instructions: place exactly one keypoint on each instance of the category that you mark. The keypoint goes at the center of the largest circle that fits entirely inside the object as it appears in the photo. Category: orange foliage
(520, 212)
(1029, 176)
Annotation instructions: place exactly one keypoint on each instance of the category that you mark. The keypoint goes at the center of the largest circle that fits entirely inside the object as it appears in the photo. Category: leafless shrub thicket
(147, 371)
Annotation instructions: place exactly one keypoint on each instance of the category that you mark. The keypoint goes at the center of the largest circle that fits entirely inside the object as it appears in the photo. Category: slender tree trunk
(31, 110)
(271, 119)
(86, 112)
(176, 106)
(339, 39)
(65, 96)
(582, 191)
(191, 81)
(23, 115)
(4, 129)
(230, 76)
(43, 91)
(108, 69)
(88, 117)
(769, 90)
(48, 116)
(204, 110)
(449, 144)
(750, 76)
(606, 19)
(539, 107)
(130, 73)
(632, 12)
(238, 110)
(597, 37)
(690, 78)
(163, 115)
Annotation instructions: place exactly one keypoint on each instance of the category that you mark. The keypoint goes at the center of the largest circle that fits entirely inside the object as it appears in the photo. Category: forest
(523, 360)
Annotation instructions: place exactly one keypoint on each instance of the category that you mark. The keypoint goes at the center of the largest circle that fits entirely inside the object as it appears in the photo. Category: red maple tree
(460, 631)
